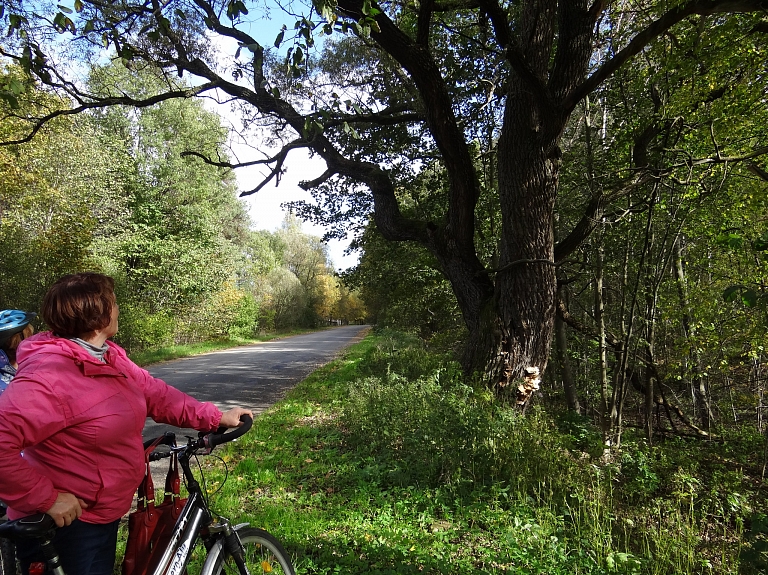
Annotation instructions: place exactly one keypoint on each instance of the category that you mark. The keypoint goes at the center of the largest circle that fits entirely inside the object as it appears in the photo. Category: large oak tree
(450, 73)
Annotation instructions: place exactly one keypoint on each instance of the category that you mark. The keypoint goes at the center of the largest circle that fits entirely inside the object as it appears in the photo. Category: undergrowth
(386, 461)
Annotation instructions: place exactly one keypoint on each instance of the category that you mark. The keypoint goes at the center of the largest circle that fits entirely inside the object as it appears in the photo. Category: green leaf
(298, 56)
(729, 240)
(12, 101)
(749, 297)
(78, 6)
(276, 92)
(15, 86)
(64, 9)
(14, 22)
(731, 293)
(63, 23)
(761, 243)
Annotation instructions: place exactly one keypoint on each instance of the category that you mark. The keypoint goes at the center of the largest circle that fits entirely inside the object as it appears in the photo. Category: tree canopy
(489, 90)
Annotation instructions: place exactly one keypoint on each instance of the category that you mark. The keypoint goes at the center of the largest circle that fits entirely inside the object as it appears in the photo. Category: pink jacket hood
(46, 342)
(79, 423)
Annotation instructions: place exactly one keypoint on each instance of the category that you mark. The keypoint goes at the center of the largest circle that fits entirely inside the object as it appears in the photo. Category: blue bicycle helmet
(13, 321)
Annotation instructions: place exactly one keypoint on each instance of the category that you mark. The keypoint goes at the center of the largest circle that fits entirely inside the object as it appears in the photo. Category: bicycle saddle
(36, 526)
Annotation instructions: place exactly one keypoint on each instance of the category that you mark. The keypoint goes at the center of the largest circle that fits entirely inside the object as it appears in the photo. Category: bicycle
(8, 564)
(229, 549)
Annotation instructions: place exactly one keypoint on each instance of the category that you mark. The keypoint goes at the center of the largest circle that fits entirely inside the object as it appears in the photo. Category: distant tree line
(111, 191)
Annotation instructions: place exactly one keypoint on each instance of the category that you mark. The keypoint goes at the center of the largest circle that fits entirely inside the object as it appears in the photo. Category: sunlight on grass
(361, 470)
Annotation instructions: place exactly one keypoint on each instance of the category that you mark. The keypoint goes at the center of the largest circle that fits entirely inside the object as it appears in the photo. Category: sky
(265, 206)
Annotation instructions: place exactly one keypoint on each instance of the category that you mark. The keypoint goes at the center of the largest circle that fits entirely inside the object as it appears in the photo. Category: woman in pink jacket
(76, 408)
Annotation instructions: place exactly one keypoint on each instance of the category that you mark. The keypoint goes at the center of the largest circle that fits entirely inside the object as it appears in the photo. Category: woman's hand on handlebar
(66, 509)
(231, 418)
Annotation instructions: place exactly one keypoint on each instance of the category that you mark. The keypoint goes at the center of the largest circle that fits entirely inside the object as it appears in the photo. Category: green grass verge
(362, 473)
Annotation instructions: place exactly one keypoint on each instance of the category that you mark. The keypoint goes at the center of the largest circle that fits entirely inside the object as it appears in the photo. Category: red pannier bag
(150, 526)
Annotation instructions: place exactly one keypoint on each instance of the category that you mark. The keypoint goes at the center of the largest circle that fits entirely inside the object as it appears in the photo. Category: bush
(402, 354)
(245, 324)
(439, 431)
(139, 329)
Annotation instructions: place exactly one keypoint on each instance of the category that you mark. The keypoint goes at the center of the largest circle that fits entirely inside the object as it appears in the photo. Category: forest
(563, 201)
(111, 191)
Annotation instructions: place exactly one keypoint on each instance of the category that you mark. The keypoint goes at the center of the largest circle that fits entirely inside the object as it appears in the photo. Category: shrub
(139, 329)
(402, 354)
(245, 323)
(438, 430)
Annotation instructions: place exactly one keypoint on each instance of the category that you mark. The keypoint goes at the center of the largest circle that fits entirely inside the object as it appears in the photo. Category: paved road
(253, 376)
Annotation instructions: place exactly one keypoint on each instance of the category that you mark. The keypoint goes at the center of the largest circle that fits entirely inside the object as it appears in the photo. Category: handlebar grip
(214, 439)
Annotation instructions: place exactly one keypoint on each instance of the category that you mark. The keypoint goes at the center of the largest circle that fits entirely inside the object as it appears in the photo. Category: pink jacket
(79, 423)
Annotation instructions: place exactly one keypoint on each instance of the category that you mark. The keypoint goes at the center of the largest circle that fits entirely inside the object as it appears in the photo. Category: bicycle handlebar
(168, 438)
(205, 440)
(213, 439)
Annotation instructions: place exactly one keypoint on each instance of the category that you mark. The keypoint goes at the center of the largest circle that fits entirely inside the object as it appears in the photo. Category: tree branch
(38, 123)
(653, 31)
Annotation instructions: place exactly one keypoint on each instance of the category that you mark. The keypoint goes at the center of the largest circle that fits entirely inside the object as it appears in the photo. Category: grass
(363, 470)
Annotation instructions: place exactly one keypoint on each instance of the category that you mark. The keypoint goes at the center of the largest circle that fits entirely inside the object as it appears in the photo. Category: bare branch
(309, 184)
(38, 123)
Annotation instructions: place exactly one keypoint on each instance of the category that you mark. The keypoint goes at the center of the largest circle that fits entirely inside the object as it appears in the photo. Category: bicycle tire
(8, 564)
(263, 554)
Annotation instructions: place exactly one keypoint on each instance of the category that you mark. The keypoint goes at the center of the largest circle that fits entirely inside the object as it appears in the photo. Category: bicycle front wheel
(262, 553)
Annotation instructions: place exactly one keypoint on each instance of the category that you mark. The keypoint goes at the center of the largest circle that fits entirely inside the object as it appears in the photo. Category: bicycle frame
(176, 556)
(188, 528)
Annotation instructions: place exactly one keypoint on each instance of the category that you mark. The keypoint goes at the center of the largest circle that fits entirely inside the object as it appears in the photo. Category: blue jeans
(84, 548)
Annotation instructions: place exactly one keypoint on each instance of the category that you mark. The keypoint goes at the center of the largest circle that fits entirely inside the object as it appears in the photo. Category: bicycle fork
(234, 547)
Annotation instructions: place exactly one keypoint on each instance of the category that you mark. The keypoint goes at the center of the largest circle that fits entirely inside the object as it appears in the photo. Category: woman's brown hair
(79, 304)
(9, 345)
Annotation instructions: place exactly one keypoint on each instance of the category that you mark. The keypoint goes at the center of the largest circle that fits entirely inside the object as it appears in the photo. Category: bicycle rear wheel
(8, 565)
(263, 554)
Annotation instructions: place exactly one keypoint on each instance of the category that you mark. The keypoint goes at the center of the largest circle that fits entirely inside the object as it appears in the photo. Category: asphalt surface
(253, 376)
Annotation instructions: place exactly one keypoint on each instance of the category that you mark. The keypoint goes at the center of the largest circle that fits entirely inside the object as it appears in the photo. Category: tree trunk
(566, 372)
(697, 382)
(516, 326)
(608, 411)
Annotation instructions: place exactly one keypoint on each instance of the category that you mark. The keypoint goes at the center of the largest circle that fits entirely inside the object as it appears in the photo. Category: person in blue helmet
(15, 326)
